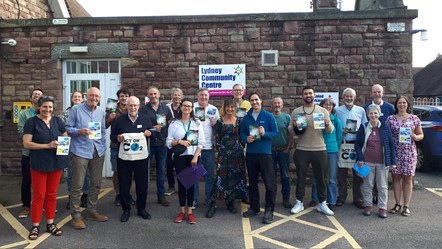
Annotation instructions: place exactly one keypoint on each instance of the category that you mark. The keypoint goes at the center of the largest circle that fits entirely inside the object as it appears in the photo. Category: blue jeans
(282, 158)
(332, 186)
(113, 158)
(208, 161)
(160, 153)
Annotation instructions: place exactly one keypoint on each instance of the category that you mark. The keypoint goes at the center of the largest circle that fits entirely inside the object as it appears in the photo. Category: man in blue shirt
(87, 128)
(258, 128)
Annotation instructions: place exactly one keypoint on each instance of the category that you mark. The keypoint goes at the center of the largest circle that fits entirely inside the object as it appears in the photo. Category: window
(269, 58)
(94, 66)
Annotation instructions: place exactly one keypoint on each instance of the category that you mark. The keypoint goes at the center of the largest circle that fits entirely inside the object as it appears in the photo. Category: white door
(108, 83)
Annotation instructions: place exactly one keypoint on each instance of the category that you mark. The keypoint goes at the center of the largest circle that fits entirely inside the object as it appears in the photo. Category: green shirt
(23, 117)
(282, 121)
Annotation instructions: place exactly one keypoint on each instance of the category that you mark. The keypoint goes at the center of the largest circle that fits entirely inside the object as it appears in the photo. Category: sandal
(406, 211)
(53, 229)
(396, 209)
(33, 234)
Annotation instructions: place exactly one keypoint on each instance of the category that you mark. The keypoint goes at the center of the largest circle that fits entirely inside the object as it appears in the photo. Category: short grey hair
(176, 89)
(374, 107)
(349, 90)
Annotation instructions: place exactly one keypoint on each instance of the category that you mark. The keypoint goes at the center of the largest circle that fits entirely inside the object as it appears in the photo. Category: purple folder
(191, 175)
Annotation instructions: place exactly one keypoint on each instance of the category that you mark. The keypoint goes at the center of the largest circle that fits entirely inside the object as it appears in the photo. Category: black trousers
(26, 181)
(170, 169)
(127, 169)
(256, 164)
(318, 160)
(180, 163)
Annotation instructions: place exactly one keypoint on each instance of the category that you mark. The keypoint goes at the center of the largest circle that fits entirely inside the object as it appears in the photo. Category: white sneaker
(298, 207)
(323, 208)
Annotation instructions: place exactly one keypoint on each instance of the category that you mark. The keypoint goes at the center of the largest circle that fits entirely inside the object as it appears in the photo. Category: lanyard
(188, 125)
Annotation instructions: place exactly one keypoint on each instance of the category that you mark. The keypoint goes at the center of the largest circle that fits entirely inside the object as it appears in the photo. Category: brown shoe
(23, 213)
(331, 207)
(163, 202)
(95, 216)
(78, 223)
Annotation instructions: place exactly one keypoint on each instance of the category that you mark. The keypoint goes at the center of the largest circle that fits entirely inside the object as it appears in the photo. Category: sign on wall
(323, 95)
(219, 79)
(17, 107)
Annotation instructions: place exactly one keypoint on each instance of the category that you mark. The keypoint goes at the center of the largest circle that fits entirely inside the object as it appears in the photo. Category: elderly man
(137, 125)
(87, 128)
(25, 159)
(208, 115)
(123, 94)
(349, 113)
(281, 146)
(160, 116)
(241, 103)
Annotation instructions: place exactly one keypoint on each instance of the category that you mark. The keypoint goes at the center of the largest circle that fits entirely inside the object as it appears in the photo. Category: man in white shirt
(208, 114)
(351, 116)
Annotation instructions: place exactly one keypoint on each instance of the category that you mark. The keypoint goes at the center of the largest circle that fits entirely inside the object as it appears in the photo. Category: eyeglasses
(47, 98)
(238, 90)
(188, 106)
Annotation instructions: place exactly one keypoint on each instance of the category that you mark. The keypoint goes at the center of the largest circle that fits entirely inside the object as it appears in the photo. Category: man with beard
(310, 149)
(25, 159)
(350, 113)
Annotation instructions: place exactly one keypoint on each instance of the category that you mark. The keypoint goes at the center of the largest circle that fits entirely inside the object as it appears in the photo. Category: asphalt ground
(308, 229)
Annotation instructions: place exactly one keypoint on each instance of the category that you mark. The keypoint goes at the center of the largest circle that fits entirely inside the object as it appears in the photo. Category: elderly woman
(40, 136)
(134, 161)
(184, 124)
(375, 148)
(406, 154)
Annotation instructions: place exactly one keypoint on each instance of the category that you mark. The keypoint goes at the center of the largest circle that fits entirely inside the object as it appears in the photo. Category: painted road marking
(338, 231)
(436, 191)
(23, 232)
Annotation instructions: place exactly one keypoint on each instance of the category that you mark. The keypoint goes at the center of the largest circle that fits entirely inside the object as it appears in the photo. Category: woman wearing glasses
(40, 136)
(178, 133)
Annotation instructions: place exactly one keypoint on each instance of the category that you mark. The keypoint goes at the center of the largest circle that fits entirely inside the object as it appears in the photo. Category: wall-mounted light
(78, 49)
(10, 42)
(424, 33)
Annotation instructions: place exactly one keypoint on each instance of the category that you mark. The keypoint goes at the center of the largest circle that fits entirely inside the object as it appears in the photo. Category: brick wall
(330, 51)
(29, 9)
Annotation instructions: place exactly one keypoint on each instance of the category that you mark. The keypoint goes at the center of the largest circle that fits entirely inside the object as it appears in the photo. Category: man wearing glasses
(241, 103)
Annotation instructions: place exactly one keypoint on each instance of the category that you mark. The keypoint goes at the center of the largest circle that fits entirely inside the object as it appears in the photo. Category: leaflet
(63, 146)
(95, 128)
(318, 120)
(405, 135)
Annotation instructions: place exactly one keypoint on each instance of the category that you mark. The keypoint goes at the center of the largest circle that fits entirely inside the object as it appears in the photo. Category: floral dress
(406, 154)
(230, 182)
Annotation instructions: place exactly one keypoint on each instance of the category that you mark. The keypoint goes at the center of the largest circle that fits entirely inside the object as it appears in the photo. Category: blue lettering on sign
(211, 85)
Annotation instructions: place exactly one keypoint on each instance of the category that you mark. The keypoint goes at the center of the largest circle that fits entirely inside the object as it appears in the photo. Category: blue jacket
(386, 139)
(264, 144)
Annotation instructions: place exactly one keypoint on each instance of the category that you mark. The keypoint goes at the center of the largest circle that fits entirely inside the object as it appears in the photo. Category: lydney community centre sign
(219, 79)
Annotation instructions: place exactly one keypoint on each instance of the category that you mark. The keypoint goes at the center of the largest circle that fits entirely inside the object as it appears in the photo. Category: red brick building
(330, 50)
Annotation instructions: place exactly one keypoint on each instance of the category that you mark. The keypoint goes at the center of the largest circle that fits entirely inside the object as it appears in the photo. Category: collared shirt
(355, 113)
(81, 116)
(211, 112)
(24, 116)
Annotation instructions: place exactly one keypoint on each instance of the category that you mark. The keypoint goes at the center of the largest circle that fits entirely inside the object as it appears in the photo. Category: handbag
(347, 155)
(179, 149)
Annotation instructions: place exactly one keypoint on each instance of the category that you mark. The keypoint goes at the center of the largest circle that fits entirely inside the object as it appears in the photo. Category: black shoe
(212, 210)
(268, 217)
(117, 201)
(231, 207)
(250, 213)
(144, 214)
(125, 216)
(313, 204)
(68, 205)
(359, 204)
(286, 203)
(83, 200)
(339, 203)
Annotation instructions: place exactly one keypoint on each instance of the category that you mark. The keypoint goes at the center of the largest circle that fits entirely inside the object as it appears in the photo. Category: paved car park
(308, 229)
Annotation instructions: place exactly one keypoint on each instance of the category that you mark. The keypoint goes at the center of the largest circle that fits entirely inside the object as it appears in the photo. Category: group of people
(249, 142)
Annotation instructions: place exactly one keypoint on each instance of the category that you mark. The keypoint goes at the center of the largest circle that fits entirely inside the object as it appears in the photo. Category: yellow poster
(17, 107)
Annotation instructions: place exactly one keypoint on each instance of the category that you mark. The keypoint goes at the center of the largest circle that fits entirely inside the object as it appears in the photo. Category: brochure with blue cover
(362, 171)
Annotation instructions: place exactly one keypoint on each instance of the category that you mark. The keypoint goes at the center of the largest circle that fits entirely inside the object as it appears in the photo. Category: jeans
(25, 181)
(208, 161)
(332, 186)
(282, 158)
(160, 153)
(380, 173)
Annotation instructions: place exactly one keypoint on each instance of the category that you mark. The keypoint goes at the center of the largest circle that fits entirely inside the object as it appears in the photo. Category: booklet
(200, 113)
(161, 119)
(95, 127)
(301, 121)
(111, 105)
(192, 136)
(191, 175)
(63, 146)
(362, 171)
(405, 135)
(254, 131)
(318, 121)
(241, 112)
(350, 124)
